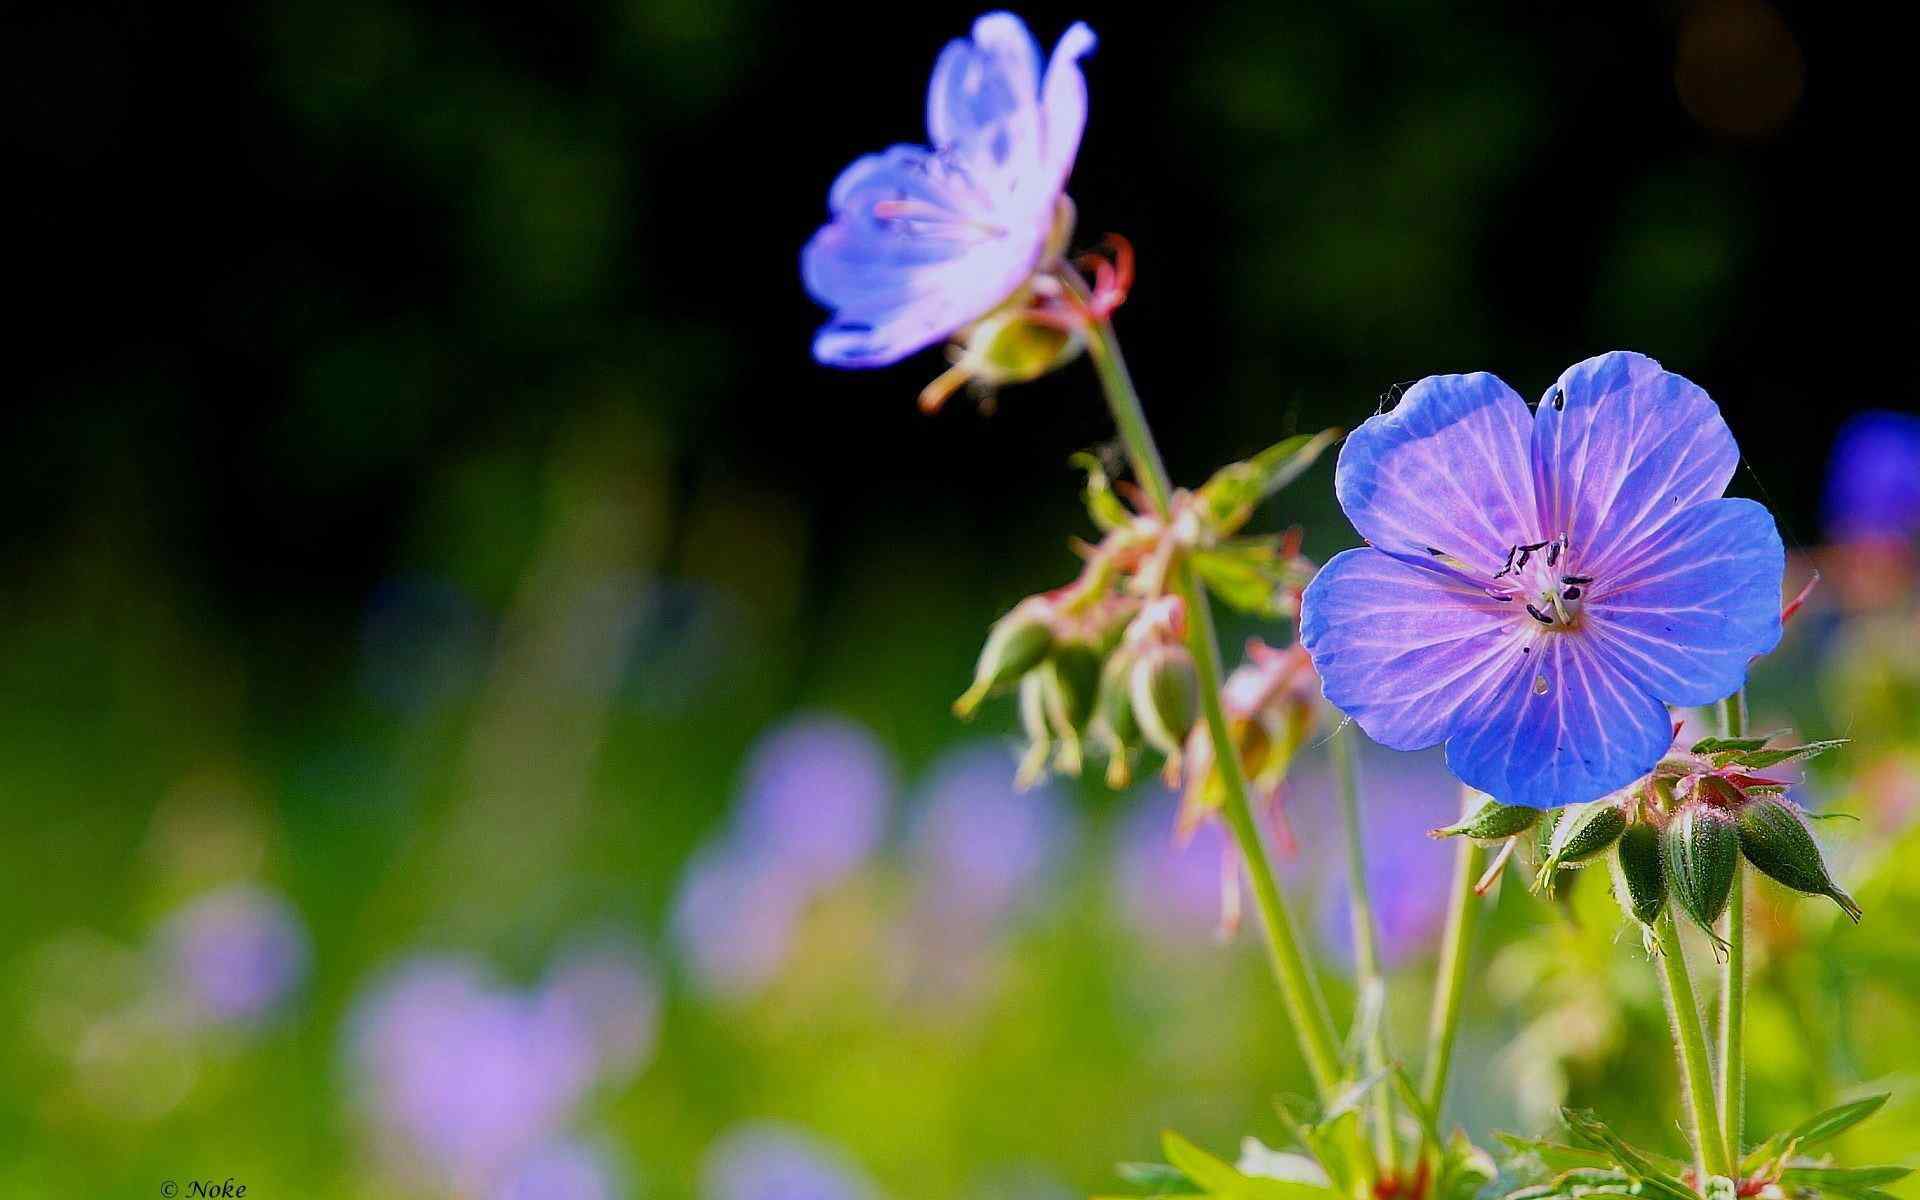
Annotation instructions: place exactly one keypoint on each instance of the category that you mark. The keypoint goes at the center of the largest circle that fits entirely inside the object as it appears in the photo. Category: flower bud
(1166, 697)
(1700, 849)
(1491, 822)
(1017, 643)
(1118, 728)
(1009, 346)
(1638, 882)
(1775, 839)
(1069, 687)
(1583, 832)
(1033, 719)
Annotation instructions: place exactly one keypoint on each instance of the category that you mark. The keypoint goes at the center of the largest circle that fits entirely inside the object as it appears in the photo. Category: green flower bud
(1069, 687)
(1491, 822)
(1583, 832)
(1700, 849)
(1114, 719)
(1166, 697)
(1017, 643)
(1012, 347)
(1637, 879)
(1775, 838)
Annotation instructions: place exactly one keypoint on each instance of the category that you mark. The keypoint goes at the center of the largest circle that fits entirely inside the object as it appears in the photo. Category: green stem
(1366, 947)
(1298, 989)
(1690, 1040)
(1450, 977)
(1733, 984)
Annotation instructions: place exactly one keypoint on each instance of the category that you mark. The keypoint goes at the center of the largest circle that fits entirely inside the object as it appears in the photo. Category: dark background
(278, 267)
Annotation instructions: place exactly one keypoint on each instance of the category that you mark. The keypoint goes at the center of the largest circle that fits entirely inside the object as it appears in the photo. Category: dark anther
(1535, 546)
(1436, 553)
(1572, 593)
(1500, 596)
(1507, 569)
(1553, 554)
(1539, 616)
(1576, 579)
(1559, 399)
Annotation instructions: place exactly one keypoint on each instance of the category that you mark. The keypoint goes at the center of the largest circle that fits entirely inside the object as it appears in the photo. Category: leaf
(1848, 1180)
(1589, 1128)
(1156, 1179)
(1227, 500)
(1835, 1121)
(1261, 576)
(1216, 1178)
(1555, 1156)
(1713, 745)
(1762, 759)
(1103, 506)
(1465, 1170)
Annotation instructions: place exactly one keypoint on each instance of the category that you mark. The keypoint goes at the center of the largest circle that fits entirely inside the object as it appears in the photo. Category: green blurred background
(422, 510)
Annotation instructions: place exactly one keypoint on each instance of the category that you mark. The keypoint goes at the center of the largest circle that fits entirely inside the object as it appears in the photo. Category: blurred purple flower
(1171, 893)
(979, 845)
(459, 1076)
(770, 1162)
(734, 918)
(236, 954)
(608, 990)
(816, 798)
(925, 242)
(1539, 586)
(1402, 796)
(1873, 478)
(560, 1170)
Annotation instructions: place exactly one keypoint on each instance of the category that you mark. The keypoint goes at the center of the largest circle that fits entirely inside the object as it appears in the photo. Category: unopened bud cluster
(1680, 833)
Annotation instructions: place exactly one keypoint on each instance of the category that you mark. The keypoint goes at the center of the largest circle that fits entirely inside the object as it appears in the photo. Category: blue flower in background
(1873, 481)
(925, 242)
(1541, 585)
(772, 1162)
(237, 954)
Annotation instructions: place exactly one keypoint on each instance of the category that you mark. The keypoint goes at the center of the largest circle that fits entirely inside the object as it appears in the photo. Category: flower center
(1541, 576)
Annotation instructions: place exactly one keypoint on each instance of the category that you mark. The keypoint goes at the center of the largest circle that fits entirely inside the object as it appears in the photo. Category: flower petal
(1447, 470)
(1063, 102)
(1564, 725)
(1685, 617)
(901, 285)
(985, 95)
(1401, 650)
(1619, 446)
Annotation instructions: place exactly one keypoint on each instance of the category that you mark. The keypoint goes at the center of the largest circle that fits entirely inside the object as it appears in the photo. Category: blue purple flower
(771, 1162)
(1539, 586)
(1873, 481)
(926, 241)
(459, 1076)
(565, 1169)
(236, 954)
(981, 845)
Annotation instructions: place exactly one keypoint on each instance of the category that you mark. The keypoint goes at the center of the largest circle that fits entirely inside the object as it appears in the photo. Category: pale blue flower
(1541, 585)
(924, 242)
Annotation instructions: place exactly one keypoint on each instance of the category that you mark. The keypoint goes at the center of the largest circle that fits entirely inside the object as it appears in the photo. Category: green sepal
(1257, 576)
(1227, 500)
(1491, 822)
(1104, 507)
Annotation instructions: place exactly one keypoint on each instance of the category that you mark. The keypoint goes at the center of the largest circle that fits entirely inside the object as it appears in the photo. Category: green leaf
(1217, 1178)
(1835, 1121)
(1259, 576)
(1713, 745)
(1156, 1179)
(1761, 759)
(1553, 1155)
(1465, 1170)
(1850, 1181)
(1103, 506)
(1227, 500)
(1589, 1128)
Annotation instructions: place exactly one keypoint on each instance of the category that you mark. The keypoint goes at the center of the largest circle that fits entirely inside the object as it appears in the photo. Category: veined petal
(1562, 726)
(1447, 470)
(1404, 652)
(901, 284)
(984, 99)
(1695, 604)
(1063, 102)
(1619, 447)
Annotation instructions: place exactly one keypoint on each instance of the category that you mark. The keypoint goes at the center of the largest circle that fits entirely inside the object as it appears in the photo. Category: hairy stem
(1733, 983)
(1690, 1041)
(1450, 976)
(1298, 989)
(1366, 946)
